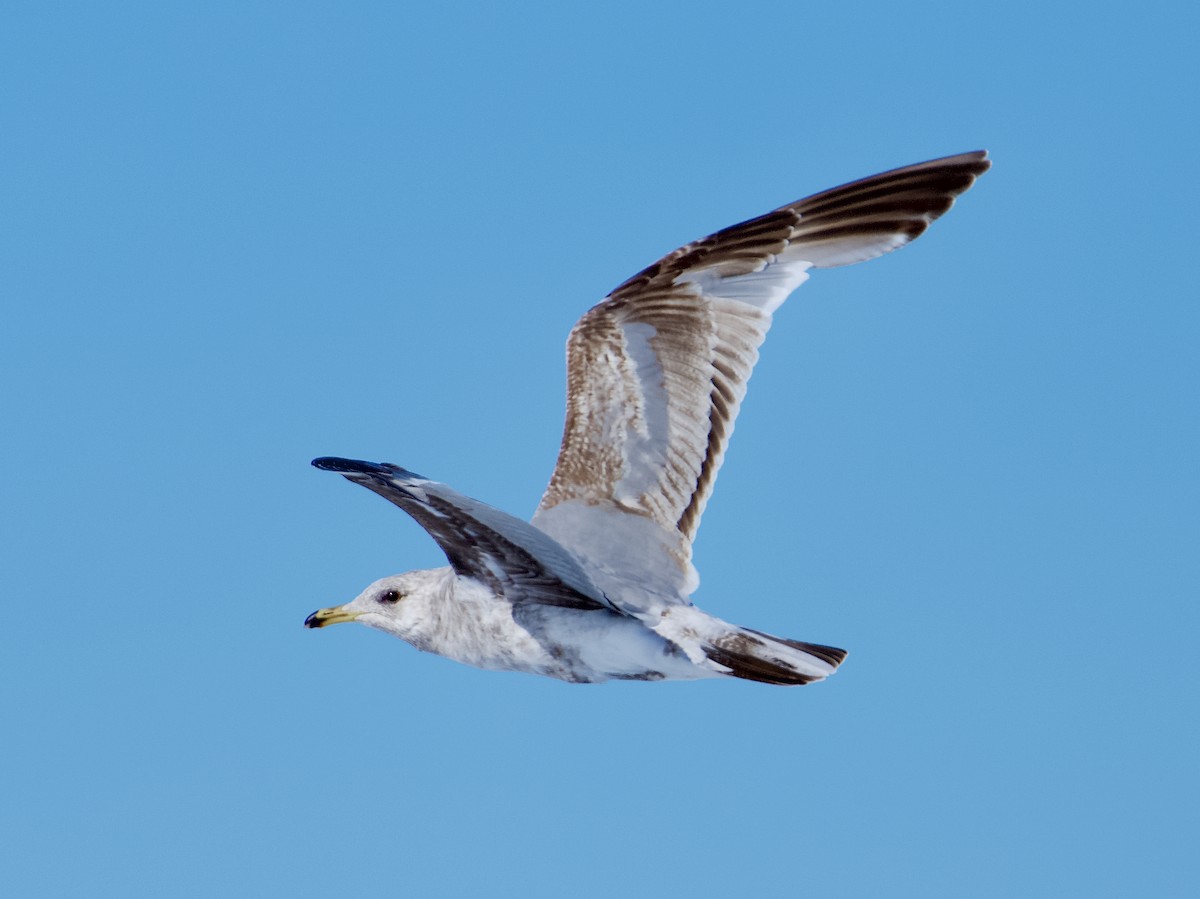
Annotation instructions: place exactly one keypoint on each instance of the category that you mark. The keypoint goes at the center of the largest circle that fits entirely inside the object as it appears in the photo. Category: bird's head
(396, 604)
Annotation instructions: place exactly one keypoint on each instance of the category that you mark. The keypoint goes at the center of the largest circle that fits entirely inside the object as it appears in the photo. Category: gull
(596, 585)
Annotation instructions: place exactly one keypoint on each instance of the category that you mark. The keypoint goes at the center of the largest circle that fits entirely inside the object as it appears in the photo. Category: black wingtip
(982, 161)
(345, 466)
(352, 467)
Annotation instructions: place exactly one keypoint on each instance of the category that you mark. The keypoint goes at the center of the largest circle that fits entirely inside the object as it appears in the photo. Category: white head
(396, 604)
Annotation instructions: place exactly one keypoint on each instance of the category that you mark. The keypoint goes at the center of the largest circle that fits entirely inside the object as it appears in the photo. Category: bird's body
(461, 619)
(597, 585)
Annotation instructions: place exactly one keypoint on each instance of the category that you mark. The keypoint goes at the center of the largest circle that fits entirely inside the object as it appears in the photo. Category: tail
(754, 655)
(749, 654)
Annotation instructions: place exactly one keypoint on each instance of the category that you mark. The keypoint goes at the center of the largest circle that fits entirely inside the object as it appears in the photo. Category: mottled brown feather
(707, 346)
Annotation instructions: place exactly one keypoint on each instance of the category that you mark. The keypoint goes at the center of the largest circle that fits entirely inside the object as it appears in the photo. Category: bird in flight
(596, 586)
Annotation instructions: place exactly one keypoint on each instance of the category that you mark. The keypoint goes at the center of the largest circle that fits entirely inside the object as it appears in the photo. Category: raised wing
(657, 371)
(513, 558)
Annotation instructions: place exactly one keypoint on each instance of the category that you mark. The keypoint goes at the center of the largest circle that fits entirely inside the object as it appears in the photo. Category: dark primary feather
(474, 548)
(901, 201)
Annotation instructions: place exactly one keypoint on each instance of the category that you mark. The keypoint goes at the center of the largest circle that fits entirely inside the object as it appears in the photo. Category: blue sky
(238, 236)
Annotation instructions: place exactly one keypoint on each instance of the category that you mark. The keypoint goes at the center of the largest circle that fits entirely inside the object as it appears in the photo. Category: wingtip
(972, 162)
(976, 161)
(343, 466)
(972, 155)
(351, 467)
(981, 157)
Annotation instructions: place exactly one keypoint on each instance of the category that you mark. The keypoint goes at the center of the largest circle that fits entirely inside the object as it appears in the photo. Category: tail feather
(830, 654)
(756, 656)
(745, 653)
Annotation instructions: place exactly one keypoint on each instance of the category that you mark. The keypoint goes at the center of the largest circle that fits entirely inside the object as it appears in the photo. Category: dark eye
(391, 596)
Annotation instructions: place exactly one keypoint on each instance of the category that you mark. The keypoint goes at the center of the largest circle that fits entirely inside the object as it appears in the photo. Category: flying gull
(596, 585)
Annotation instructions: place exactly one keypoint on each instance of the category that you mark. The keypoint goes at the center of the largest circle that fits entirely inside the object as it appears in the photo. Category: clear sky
(235, 236)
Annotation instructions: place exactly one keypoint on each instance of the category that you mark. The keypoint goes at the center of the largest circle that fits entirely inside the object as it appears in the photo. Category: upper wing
(513, 558)
(656, 372)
